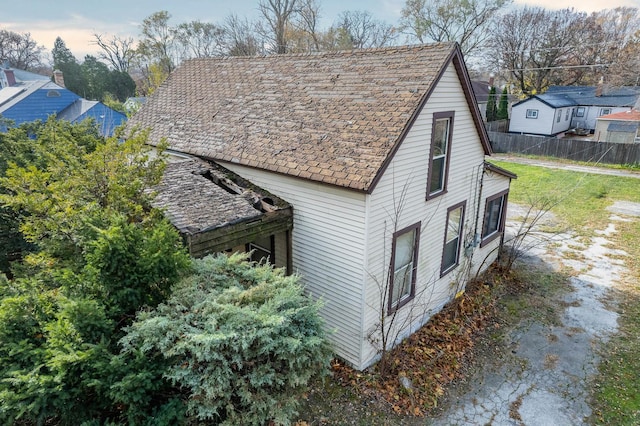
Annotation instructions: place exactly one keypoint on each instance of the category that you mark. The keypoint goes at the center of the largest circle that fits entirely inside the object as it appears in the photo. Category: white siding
(408, 173)
(328, 250)
(492, 184)
(591, 114)
(564, 121)
(543, 125)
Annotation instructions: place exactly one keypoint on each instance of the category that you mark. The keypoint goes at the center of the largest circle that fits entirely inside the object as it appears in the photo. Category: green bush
(243, 341)
(98, 252)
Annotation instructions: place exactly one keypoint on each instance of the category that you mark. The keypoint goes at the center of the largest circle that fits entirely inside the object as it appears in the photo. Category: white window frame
(532, 114)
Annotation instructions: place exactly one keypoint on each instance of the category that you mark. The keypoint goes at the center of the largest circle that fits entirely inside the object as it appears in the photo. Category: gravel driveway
(545, 378)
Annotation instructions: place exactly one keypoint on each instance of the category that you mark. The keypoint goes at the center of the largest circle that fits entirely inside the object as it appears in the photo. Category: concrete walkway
(543, 377)
(566, 166)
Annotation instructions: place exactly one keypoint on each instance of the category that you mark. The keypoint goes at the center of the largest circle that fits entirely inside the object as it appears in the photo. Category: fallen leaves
(431, 358)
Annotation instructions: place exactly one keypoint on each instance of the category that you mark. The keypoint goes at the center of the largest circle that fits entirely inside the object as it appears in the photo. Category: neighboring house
(37, 98)
(546, 114)
(481, 90)
(215, 210)
(133, 104)
(381, 154)
(595, 101)
(621, 127)
(562, 108)
(106, 118)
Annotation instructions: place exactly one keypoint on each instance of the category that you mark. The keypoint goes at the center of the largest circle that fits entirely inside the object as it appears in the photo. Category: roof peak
(336, 53)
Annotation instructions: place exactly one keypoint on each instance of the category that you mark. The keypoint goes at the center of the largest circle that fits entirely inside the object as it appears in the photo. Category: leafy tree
(96, 77)
(200, 39)
(503, 105)
(20, 50)
(615, 44)
(492, 111)
(464, 21)
(120, 85)
(157, 47)
(241, 339)
(538, 47)
(100, 253)
(64, 61)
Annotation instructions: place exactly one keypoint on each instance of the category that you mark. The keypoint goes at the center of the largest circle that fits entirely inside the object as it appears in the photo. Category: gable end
(456, 58)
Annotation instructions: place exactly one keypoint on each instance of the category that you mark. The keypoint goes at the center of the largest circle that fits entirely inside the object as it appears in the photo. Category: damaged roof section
(215, 210)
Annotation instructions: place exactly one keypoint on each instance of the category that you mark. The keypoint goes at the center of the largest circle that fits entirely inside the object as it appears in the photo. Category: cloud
(76, 32)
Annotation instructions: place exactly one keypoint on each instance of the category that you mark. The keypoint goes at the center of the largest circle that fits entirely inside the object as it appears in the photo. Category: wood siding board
(328, 249)
(410, 164)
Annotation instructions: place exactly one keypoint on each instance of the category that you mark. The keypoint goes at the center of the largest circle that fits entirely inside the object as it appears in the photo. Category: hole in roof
(225, 184)
(53, 94)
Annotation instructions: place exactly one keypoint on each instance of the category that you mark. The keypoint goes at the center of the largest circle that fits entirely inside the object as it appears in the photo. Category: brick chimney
(58, 78)
(599, 87)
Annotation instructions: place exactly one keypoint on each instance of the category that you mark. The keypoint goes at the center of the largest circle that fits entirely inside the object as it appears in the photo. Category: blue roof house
(37, 98)
(546, 114)
(562, 108)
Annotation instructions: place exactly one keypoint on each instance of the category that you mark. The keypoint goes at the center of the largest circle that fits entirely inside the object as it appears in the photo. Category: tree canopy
(84, 315)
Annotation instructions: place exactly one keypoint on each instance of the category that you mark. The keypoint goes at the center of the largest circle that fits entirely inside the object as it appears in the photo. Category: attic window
(53, 94)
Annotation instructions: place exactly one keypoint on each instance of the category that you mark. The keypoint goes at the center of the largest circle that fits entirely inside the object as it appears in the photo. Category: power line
(559, 67)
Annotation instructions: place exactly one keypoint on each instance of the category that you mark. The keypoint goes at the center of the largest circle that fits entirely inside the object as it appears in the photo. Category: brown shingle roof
(330, 117)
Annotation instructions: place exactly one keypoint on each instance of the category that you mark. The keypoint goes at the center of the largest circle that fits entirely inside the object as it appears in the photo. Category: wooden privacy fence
(572, 149)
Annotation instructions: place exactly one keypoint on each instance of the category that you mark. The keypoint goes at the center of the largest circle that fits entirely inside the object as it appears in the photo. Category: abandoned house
(380, 154)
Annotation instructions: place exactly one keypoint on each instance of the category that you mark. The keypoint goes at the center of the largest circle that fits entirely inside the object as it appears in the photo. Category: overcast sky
(75, 21)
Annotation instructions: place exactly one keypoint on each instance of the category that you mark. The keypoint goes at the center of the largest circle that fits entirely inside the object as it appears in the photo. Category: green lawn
(582, 201)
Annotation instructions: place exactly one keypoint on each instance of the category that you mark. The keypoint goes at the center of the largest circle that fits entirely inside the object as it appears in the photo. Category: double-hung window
(494, 217)
(452, 238)
(404, 259)
(440, 152)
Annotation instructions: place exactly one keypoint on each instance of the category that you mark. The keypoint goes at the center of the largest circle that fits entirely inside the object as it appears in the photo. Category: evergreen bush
(242, 339)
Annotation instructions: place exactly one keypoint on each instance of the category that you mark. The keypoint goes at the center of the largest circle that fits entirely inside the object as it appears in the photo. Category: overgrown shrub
(98, 252)
(242, 339)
